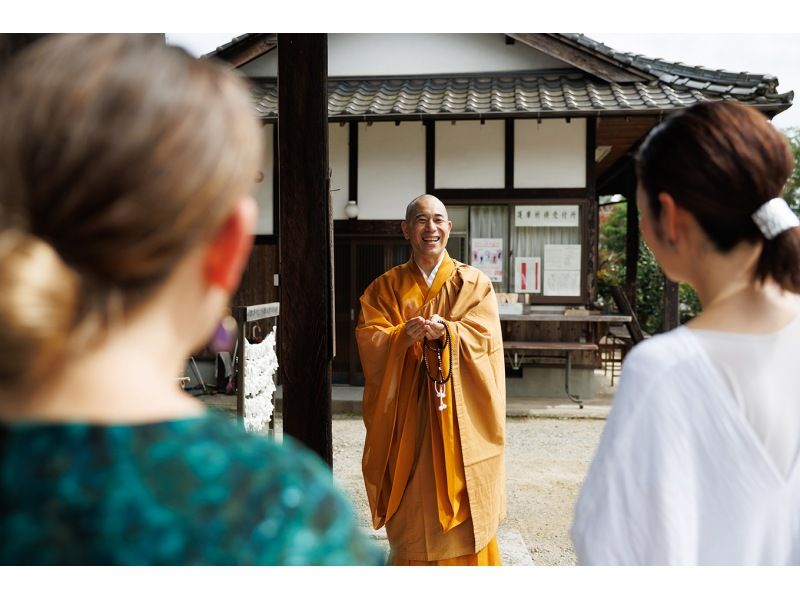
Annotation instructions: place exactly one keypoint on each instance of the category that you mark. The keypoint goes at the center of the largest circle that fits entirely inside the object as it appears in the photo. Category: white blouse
(761, 371)
(681, 474)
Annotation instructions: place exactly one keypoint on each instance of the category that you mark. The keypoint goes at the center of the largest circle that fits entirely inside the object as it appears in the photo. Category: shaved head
(412, 207)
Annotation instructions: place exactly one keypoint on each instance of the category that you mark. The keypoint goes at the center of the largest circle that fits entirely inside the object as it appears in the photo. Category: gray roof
(532, 94)
(693, 77)
(570, 92)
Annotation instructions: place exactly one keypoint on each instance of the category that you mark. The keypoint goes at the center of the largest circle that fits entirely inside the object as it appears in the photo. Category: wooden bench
(513, 349)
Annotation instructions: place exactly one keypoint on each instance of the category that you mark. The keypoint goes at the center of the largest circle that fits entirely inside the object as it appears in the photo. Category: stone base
(548, 383)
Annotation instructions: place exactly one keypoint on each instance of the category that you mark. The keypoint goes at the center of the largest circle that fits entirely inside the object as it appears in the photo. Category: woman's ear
(669, 217)
(227, 252)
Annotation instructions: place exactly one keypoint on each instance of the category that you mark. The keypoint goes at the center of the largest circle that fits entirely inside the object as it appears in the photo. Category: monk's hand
(434, 329)
(416, 328)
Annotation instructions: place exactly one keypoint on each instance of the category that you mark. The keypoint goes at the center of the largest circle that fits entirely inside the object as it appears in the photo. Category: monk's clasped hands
(418, 328)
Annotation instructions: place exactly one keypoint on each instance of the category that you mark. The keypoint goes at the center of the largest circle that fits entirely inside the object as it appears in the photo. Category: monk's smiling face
(426, 227)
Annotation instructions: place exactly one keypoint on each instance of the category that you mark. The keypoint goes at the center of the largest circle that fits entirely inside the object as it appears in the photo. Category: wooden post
(306, 239)
(593, 220)
(240, 313)
(631, 235)
(671, 305)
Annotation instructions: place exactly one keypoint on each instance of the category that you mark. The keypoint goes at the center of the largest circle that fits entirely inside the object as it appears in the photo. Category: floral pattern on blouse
(192, 491)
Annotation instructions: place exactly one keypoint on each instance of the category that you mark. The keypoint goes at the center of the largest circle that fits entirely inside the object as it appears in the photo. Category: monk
(434, 401)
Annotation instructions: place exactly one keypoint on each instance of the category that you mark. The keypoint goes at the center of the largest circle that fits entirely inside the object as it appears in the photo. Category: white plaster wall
(377, 54)
(339, 160)
(263, 66)
(470, 154)
(263, 191)
(391, 168)
(550, 154)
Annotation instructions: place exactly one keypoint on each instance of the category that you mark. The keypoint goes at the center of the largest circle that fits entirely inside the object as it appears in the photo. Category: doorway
(357, 262)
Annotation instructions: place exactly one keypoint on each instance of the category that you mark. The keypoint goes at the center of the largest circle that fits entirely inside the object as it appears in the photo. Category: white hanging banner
(546, 215)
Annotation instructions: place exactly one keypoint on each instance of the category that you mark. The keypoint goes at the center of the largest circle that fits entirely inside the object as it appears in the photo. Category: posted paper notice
(527, 275)
(487, 256)
(562, 270)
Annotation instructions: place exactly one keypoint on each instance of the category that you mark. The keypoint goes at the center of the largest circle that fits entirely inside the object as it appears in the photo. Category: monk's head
(426, 227)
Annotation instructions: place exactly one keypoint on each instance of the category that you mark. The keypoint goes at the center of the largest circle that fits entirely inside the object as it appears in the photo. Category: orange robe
(435, 478)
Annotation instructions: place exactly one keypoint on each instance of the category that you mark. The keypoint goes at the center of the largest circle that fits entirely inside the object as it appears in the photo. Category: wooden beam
(430, 156)
(509, 155)
(352, 162)
(479, 195)
(583, 58)
(592, 222)
(368, 228)
(671, 305)
(306, 270)
(628, 189)
(247, 50)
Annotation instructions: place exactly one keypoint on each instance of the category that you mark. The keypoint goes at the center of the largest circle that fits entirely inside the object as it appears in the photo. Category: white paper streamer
(260, 365)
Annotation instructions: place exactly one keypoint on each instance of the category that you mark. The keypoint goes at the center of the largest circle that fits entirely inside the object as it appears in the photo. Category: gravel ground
(546, 461)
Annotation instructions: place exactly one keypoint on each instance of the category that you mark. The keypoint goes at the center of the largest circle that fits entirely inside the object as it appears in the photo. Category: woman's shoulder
(217, 440)
(280, 495)
(662, 352)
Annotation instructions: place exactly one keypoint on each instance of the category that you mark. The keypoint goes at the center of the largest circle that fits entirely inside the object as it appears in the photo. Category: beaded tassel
(439, 380)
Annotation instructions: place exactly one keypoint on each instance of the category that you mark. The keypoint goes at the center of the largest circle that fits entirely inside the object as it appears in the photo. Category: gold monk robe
(435, 478)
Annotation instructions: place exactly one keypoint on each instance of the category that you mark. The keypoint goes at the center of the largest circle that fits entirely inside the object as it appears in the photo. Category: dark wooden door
(358, 262)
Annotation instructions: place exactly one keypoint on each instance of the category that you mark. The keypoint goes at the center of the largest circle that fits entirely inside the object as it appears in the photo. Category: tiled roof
(541, 93)
(678, 74)
(244, 37)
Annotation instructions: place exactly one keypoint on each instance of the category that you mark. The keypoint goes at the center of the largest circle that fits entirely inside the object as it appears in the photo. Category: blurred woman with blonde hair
(126, 169)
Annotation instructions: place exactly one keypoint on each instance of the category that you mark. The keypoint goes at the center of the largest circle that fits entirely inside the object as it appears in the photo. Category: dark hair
(721, 161)
(118, 155)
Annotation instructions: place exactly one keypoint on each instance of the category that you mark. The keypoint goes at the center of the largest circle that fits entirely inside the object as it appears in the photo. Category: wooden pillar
(631, 235)
(306, 250)
(593, 228)
(671, 305)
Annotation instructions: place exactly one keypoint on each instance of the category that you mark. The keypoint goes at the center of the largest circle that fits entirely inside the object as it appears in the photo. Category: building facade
(518, 134)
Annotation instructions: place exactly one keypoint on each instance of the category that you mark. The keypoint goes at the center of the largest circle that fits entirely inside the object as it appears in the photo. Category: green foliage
(791, 193)
(649, 277)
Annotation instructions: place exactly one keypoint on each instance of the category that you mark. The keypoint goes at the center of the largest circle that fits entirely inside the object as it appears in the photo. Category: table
(566, 346)
(545, 316)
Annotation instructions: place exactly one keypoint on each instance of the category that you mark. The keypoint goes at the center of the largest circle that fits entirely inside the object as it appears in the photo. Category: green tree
(649, 277)
(791, 193)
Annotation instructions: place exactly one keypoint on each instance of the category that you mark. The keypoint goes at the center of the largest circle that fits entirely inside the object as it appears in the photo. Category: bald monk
(434, 401)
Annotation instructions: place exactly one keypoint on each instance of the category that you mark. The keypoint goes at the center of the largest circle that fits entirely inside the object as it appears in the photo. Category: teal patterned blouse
(195, 491)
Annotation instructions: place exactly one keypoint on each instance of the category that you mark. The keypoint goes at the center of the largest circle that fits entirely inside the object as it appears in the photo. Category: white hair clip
(774, 217)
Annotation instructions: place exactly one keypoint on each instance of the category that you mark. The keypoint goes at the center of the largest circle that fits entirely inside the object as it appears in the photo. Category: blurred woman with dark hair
(698, 460)
(126, 219)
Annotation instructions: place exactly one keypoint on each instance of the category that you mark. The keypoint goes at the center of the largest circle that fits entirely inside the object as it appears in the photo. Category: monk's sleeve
(479, 372)
(476, 318)
(391, 367)
(380, 333)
